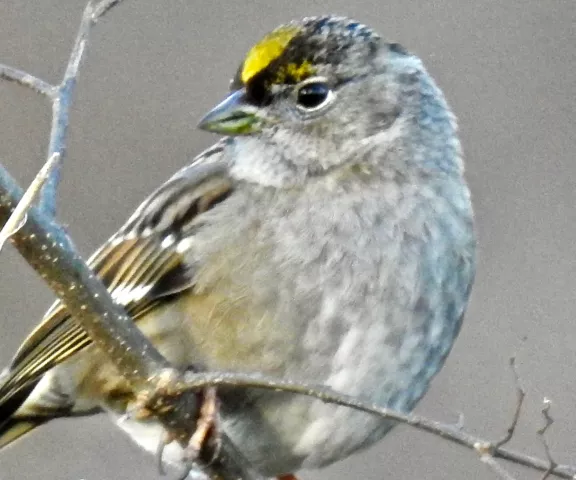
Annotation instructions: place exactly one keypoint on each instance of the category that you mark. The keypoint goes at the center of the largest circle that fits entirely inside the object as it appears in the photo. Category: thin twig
(520, 396)
(18, 216)
(102, 8)
(459, 425)
(549, 421)
(27, 80)
(63, 98)
(51, 233)
(491, 462)
(196, 381)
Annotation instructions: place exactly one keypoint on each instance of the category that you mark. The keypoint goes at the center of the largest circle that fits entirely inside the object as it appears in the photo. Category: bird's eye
(313, 95)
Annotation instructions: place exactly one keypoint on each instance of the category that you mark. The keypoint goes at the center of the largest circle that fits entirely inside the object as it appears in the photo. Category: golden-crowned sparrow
(328, 238)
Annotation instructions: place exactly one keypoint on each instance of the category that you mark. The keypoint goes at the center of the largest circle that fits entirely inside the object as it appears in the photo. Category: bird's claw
(206, 437)
(201, 441)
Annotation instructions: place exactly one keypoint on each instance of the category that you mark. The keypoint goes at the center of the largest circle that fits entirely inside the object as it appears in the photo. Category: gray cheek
(382, 119)
(265, 160)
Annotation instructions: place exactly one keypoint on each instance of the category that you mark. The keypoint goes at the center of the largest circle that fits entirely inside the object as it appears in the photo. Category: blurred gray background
(507, 67)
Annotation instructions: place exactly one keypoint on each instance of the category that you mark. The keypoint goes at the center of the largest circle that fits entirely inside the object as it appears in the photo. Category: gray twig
(195, 381)
(459, 425)
(549, 421)
(489, 460)
(102, 8)
(27, 80)
(520, 396)
(62, 98)
(18, 216)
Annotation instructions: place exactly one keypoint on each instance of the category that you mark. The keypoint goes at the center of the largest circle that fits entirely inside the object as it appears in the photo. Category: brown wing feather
(140, 265)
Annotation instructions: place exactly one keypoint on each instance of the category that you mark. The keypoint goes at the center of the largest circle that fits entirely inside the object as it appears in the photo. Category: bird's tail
(13, 425)
(16, 427)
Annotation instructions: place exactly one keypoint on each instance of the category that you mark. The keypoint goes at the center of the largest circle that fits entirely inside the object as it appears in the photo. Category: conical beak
(234, 116)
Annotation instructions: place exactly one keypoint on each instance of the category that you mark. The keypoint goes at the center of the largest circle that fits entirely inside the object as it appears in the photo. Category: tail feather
(12, 400)
(14, 428)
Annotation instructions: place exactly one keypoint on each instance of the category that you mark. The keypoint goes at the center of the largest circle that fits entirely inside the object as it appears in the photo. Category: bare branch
(18, 216)
(51, 253)
(102, 8)
(63, 99)
(47, 248)
(92, 13)
(549, 421)
(195, 381)
(459, 425)
(520, 396)
(489, 460)
(56, 246)
(27, 80)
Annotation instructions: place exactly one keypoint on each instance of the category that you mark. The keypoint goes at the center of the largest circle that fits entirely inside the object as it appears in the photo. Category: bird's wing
(140, 265)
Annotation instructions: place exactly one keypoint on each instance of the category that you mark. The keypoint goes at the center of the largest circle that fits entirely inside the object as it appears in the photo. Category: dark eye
(313, 95)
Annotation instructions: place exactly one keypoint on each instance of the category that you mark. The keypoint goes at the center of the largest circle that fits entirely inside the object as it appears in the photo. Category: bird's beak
(234, 116)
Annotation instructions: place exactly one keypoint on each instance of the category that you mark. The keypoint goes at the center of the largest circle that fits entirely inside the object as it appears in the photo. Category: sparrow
(327, 238)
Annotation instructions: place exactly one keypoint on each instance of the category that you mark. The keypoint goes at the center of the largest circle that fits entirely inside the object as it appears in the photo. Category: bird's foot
(198, 435)
(206, 436)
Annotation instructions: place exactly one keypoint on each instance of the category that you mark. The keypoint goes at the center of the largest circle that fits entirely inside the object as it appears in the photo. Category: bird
(327, 237)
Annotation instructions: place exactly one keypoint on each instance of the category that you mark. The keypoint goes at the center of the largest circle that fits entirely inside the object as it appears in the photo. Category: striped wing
(140, 265)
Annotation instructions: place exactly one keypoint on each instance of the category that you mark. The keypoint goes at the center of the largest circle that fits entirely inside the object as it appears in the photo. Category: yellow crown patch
(267, 50)
(294, 71)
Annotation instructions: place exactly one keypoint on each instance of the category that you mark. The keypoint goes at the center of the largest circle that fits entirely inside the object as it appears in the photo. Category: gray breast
(371, 279)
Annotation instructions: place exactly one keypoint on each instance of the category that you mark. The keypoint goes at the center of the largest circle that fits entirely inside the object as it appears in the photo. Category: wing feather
(140, 265)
